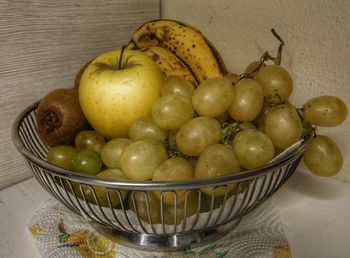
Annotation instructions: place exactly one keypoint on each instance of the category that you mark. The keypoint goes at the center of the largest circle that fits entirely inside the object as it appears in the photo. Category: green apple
(114, 94)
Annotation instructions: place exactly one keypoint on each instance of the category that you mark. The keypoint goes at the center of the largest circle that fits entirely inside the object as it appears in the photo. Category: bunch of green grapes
(221, 127)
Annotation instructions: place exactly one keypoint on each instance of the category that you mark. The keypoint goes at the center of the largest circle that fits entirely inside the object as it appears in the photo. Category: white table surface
(314, 210)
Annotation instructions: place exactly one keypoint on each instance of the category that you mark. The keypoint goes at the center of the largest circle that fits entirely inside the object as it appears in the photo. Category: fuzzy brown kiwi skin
(60, 118)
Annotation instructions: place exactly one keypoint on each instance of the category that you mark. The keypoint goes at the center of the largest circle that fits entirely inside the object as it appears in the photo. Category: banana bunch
(179, 49)
(169, 63)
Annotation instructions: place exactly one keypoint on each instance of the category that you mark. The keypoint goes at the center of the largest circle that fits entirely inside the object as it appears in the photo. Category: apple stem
(121, 57)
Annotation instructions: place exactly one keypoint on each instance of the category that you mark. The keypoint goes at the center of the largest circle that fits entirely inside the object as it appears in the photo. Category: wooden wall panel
(43, 44)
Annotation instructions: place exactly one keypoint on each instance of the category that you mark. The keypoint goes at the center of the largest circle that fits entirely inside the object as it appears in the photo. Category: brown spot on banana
(184, 41)
(169, 63)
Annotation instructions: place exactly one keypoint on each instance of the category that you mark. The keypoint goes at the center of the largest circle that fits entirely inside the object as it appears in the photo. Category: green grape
(145, 127)
(253, 68)
(112, 151)
(260, 119)
(325, 111)
(213, 97)
(274, 79)
(323, 157)
(216, 160)
(89, 139)
(177, 85)
(87, 162)
(102, 193)
(233, 78)
(175, 169)
(248, 99)
(196, 134)
(62, 156)
(191, 209)
(245, 126)
(253, 148)
(283, 126)
(141, 158)
(140, 206)
(172, 111)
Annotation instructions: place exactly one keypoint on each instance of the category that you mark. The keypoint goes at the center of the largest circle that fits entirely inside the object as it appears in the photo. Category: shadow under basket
(128, 212)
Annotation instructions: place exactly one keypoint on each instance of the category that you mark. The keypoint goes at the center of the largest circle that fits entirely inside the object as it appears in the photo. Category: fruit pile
(165, 108)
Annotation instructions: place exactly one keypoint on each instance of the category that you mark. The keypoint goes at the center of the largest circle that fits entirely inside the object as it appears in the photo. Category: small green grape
(325, 111)
(213, 97)
(112, 151)
(89, 139)
(274, 79)
(62, 156)
(87, 162)
(323, 157)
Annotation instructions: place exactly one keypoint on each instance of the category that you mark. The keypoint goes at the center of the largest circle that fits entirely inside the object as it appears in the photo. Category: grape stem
(266, 56)
(228, 132)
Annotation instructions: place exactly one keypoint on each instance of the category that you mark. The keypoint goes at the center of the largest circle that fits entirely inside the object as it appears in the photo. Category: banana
(184, 41)
(169, 64)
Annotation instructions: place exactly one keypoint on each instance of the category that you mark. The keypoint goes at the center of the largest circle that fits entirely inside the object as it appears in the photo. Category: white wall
(316, 35)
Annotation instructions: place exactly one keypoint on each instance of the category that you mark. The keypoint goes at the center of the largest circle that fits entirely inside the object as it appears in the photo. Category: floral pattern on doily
(60, 233)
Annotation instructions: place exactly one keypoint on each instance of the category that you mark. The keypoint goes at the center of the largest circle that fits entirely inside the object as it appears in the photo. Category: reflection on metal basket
(128, 211)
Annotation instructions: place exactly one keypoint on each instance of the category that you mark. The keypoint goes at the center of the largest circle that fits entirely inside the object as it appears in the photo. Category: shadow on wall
(305, 183)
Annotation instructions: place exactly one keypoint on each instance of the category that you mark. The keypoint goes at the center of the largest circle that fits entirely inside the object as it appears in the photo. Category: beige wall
(316, 33)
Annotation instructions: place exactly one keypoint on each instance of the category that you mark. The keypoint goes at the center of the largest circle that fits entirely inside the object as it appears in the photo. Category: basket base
(166, 243)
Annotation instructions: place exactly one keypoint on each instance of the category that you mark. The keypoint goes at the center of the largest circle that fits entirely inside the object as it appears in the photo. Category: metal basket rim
(147, 185)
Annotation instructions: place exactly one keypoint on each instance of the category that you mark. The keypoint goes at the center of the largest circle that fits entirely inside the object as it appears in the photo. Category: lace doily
(58, 232)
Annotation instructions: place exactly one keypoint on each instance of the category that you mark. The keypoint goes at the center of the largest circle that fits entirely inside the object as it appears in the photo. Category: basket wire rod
(89, 212)
(41, 146)
(162, 212)
(67, 182)
(221, 208)
(270, 178)
(87, 203)
(259, 198)
(48, 184)
(134, 229)
(25, 129)
(248, 204)
(149, 215)
(120, 196)
(38, 177)
(212, 202)
(291, 168)
(176, 211)
(184, 217)
(44, 183)
(110, 204)
(277, 178)
(137, 211)
(80, 207)
(58, 192)
(33, 140)
(119, 224)
(233, 206)
(235, 215)
(23, 136)
(263, 186)
(194, 224)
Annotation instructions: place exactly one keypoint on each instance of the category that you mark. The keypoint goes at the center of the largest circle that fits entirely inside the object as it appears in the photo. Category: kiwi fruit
(60, 118)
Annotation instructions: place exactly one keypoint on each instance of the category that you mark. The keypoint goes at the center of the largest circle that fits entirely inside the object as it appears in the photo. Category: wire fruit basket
(141, 222)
